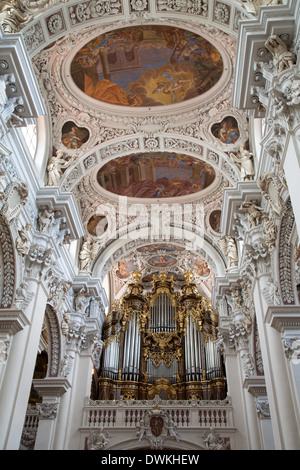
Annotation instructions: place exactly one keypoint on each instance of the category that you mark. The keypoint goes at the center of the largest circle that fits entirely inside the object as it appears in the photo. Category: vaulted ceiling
(139, 100)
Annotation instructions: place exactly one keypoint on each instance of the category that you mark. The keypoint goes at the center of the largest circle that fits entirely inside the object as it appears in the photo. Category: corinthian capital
(38, 261)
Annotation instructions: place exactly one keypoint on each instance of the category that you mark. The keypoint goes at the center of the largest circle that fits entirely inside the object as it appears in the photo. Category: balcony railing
(199, 414)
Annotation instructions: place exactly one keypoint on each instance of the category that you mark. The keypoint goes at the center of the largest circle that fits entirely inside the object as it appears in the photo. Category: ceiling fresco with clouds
(147, 66)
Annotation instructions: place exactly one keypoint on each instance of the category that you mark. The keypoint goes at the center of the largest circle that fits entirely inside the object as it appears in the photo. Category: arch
(137, 143)
(134, 444)
(117, 249)
(54, 338)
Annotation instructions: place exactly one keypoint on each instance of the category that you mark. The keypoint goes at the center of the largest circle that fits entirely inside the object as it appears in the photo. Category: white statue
(98, 440)
(45, 219)
(283, 58)
(213, 440)
(21, 293)
(86, 255)
(65, 323)
(236, 298)
(254, 213)
(274, 293)
(245, 161)
(55, 167)
(230, 251)
(22, 241)
(82, 299)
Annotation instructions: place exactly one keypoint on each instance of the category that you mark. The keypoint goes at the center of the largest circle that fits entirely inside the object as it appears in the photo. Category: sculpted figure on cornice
(254, 213)
(270, 231)
(87, 254)
(244, 160)
(282, 57)
(55, 166)
(65, 323)
(45, 219)
(229, 248)
(22, 241)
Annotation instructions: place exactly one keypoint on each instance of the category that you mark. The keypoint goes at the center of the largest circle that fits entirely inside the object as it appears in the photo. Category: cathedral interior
(149, 240)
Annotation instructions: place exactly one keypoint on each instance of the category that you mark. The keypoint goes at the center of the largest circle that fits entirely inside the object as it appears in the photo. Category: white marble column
(79, 354)
(50, 389)
(280, 393)
(240, 331)
(19, 369)
(255, 385)
(81, 389)
(234, 387)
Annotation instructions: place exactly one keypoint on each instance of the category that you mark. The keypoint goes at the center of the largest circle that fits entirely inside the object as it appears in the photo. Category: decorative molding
(256, 386)
(156, 426)
(47, 410)
(8, 269)
(263, 410)
(285, 256)
(284, 319)
(53, 387)
(12, 321)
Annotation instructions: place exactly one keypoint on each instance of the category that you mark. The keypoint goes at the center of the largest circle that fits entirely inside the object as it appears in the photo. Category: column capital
(256, 385)
(51, 387)
(284, 318)
(12, 320)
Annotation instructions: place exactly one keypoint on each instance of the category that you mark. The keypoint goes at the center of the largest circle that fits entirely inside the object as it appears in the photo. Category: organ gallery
(162, 343)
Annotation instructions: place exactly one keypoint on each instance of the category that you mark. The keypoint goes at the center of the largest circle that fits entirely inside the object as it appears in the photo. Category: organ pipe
(165, 338)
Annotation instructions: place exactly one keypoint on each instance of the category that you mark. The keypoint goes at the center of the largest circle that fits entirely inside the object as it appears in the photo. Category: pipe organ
(161, 343)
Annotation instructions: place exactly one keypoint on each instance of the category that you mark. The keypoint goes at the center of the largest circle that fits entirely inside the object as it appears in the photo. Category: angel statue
(244, 160)
(55, 167)
(282, 57)
(87, 253)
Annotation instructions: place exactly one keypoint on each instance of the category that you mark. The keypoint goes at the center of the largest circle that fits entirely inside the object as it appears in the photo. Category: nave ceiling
(163, 132)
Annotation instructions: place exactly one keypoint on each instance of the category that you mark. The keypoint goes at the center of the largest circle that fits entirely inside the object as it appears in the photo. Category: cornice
(284, 318)
(12, 321)
(256, 386)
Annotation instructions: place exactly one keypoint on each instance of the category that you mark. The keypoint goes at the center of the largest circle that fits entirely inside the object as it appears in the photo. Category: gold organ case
(161, 343)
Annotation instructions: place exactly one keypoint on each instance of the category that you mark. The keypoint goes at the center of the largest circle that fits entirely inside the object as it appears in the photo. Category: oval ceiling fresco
(147, 66)
(155, 175)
